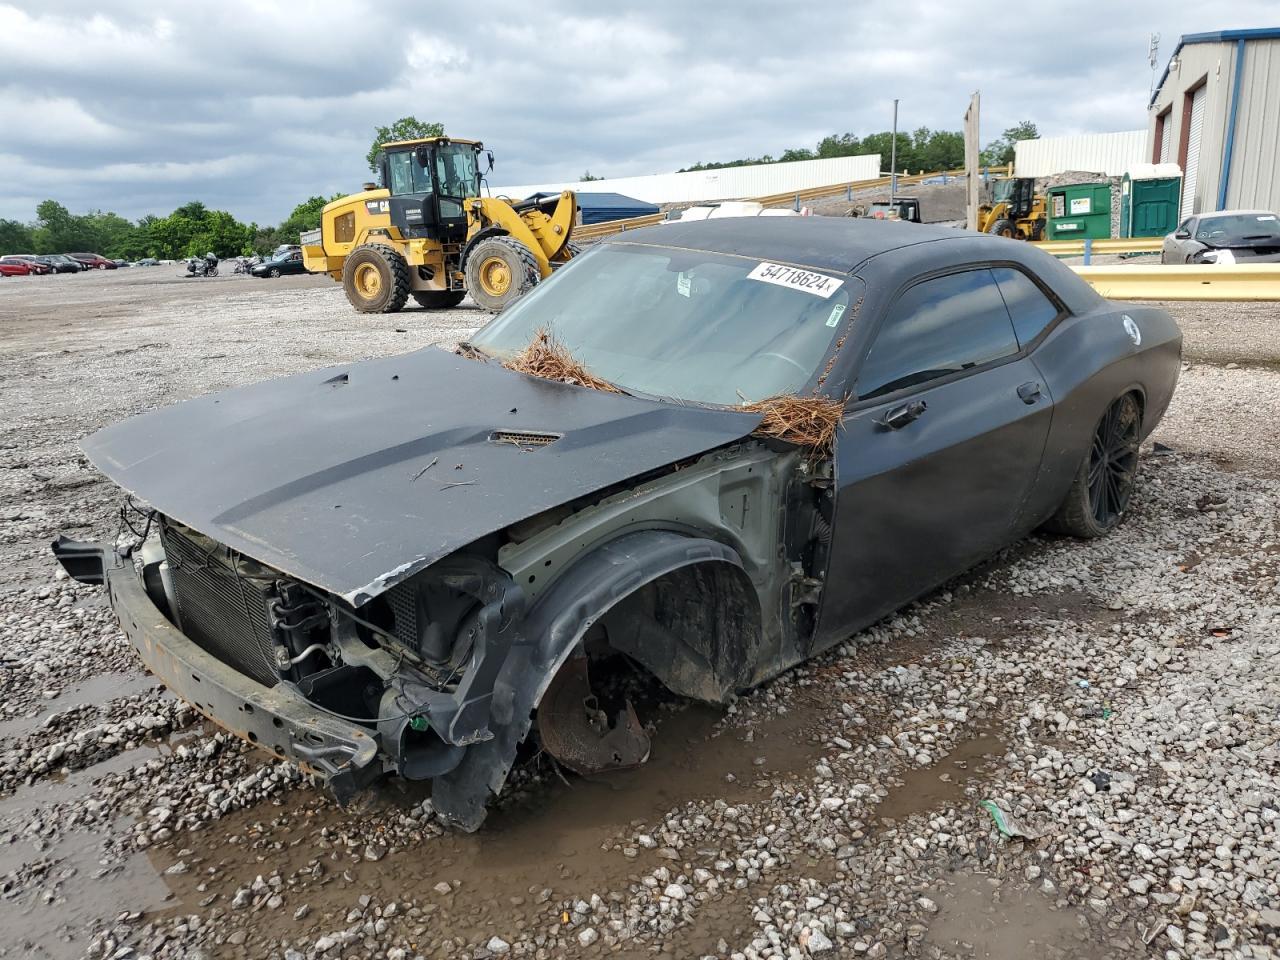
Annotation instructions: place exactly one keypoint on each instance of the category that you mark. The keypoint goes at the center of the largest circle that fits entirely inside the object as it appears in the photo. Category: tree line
(923, 149)
(191, 230)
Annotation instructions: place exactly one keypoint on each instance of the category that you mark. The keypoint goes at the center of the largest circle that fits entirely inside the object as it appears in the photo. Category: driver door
(939, 451)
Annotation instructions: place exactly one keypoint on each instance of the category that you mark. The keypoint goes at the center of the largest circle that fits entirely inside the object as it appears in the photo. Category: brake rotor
(579, 734)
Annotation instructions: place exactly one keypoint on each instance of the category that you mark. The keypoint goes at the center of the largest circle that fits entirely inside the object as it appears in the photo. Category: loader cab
(1019, 193)
(430, 180)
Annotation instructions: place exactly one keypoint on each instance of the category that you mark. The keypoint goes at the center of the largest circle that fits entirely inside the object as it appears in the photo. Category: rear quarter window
(1029, 307)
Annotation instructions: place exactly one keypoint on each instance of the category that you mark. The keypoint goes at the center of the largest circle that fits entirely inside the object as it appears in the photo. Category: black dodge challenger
(408, 564)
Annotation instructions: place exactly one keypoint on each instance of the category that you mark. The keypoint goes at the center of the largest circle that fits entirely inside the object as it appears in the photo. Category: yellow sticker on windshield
(818, 284)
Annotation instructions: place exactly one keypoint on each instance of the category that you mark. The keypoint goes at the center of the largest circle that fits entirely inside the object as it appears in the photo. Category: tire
(1002, 228)
(376, 279)
(499, 271)
(438, 299)
(275, 272)
(1100, 492)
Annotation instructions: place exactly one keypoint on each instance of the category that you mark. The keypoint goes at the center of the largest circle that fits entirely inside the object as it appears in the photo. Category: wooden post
(971, 158)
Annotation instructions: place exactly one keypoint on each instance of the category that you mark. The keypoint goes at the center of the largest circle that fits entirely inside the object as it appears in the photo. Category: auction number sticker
(818, 284)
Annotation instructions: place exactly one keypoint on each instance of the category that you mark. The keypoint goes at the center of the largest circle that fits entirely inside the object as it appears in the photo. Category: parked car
(93, 261)
(730, 208)
(148, 262)
(287, 262)
(403, 564)
(14, 268)
(64, 264)
(34, 264)
(1232, 236)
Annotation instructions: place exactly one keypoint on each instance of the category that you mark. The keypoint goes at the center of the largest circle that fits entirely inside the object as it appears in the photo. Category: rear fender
(586, 592)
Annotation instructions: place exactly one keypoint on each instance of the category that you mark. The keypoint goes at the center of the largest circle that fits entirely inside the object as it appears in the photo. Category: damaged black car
(761, 436)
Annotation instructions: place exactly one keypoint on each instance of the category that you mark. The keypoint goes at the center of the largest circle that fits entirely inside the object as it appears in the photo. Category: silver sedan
(1230, 236)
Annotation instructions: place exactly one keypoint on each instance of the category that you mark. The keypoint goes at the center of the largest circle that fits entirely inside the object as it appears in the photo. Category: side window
(935, 328)
(1030, 309)
(401, 173)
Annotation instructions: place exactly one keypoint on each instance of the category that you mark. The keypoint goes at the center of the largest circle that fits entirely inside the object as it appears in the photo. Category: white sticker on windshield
(818, 284)
(836, 313)
(1268, 216)
(683, 284)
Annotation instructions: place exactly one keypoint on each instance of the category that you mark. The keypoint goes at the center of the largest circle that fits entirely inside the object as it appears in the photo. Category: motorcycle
(202, 267)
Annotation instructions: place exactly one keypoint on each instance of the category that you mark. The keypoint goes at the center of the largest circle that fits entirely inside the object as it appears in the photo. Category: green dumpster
(1080, 210)
(1149, 197)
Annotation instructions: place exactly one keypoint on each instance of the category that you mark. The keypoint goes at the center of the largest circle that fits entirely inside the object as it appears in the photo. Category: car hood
(356, 477)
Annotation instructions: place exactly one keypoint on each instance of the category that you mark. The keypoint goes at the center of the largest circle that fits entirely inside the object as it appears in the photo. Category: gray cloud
(252, 107)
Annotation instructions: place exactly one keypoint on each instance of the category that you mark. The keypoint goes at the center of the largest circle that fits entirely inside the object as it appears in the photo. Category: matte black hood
(356, 477)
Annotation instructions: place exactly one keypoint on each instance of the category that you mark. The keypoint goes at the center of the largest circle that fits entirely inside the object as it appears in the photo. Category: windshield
(697, 326)
(1239, 228)
(407, 175)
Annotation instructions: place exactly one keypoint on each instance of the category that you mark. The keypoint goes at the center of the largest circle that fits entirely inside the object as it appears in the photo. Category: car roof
(822, 243)
(1217, 214)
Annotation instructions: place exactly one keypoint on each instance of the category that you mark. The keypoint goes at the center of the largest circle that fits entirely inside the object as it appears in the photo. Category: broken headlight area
(416, 665)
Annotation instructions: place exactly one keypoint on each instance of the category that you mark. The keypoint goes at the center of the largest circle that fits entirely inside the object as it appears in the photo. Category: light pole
(893, 156)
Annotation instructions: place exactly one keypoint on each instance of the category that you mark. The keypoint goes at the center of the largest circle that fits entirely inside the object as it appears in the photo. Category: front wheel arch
(585, 593)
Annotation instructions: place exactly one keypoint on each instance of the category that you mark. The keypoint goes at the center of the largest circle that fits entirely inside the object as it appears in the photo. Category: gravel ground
(1116, 700)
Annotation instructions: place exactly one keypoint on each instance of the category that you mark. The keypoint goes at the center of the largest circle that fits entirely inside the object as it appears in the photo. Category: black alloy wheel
(1113, 462)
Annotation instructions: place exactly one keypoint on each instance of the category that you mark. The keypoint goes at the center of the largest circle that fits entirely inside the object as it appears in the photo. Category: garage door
(1193, 154)
(1166, 136)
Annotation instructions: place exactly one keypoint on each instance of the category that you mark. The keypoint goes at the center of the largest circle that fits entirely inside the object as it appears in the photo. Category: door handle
(899, 417)
(1030, 392)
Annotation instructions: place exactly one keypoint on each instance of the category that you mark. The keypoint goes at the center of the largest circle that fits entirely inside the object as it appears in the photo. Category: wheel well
(696, 628)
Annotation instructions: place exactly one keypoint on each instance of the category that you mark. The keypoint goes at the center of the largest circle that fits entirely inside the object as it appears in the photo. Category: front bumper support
(278, 719)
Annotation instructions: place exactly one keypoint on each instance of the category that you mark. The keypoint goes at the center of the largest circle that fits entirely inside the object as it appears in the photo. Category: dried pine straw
(805, 421)
(547, 357)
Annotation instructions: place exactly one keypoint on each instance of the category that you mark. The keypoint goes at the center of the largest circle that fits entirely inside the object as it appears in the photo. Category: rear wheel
(1002, 228)
(1100, 493)
(500, 270)
(438, 299)
(376, 279)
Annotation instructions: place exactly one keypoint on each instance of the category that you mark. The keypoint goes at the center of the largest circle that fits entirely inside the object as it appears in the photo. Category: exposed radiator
(224, 613)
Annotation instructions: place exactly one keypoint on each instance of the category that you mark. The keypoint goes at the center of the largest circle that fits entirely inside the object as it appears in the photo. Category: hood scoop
(524, 438)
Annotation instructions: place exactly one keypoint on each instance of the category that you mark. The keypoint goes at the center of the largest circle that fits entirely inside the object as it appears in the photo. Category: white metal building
(757, 180)
(1108, 153)
(1216, 113)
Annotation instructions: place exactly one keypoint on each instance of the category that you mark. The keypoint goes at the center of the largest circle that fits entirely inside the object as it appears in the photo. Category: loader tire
(438, 299)
(1002, 228)
(499, 271)
(376, 279)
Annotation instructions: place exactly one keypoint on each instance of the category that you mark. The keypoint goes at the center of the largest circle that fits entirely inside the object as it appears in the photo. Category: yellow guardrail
(1253, 281)
(596, 231)
(1076, 248)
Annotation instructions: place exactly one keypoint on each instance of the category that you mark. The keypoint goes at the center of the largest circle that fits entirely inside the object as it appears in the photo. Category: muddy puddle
(983, 920)
(547, 842)
(54, 890)
(941, 784)
(91, 692)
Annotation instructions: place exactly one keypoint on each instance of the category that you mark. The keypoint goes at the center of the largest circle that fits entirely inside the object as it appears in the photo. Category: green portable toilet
(1080, 210)
(1149, 196)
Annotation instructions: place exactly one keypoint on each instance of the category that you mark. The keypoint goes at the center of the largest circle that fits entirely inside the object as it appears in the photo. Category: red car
(13, 268)
(93, 261)
(33, 265)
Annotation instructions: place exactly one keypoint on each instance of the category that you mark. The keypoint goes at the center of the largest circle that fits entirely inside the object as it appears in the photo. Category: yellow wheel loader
(428, 234)
(1016, 210)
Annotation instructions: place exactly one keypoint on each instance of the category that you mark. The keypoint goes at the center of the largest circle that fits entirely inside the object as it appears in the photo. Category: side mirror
(1182, 235)
(489, 156)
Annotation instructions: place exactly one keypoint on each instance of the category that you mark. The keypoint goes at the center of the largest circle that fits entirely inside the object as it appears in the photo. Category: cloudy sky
(138, 107)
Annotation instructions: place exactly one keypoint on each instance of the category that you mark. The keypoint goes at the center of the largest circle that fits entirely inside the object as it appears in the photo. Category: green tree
(1001, 150)
(406, 128)
(587, 177)
(15, 237)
